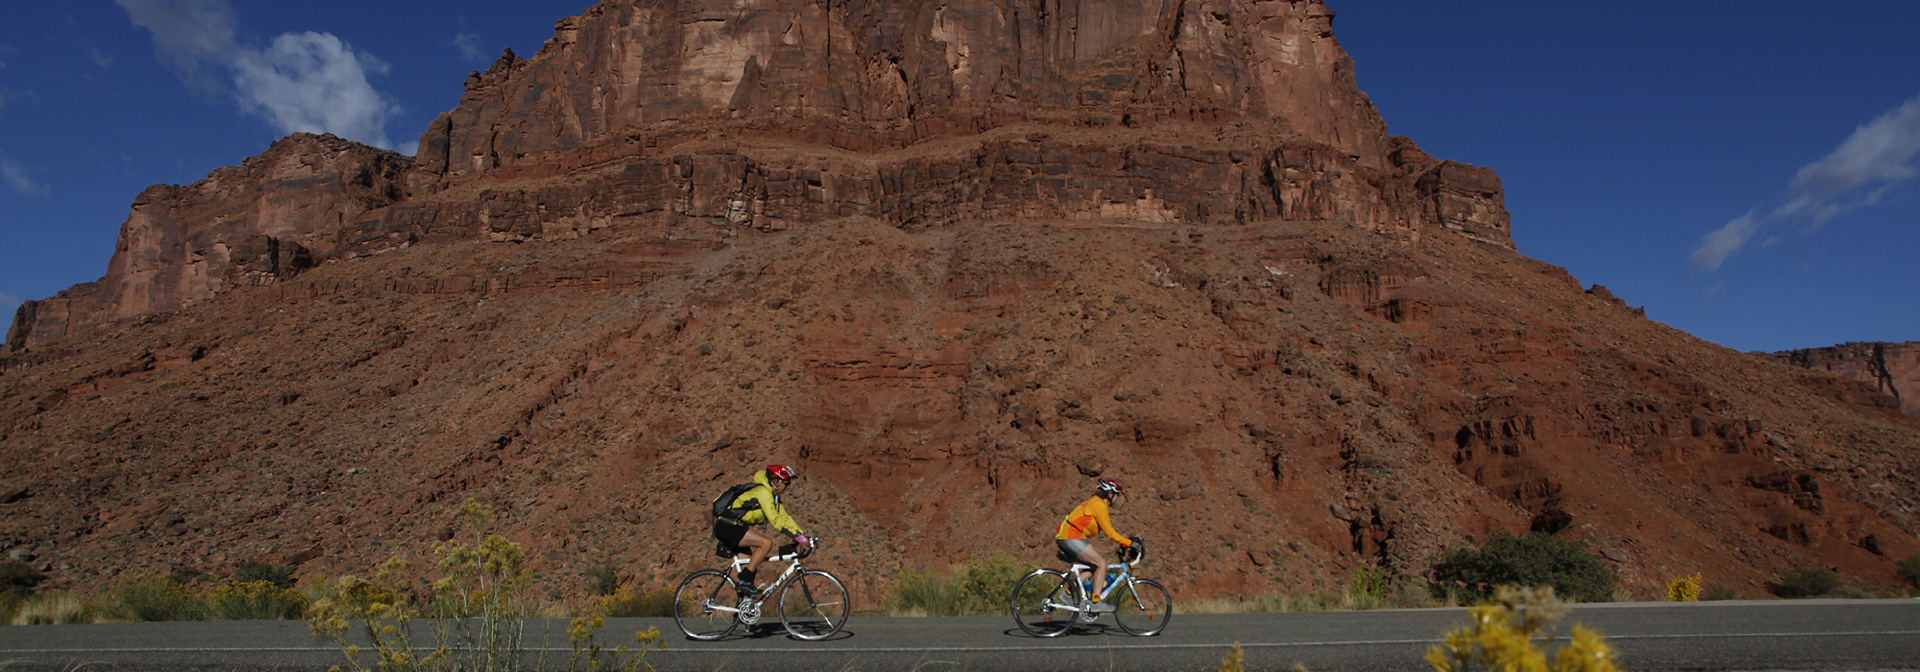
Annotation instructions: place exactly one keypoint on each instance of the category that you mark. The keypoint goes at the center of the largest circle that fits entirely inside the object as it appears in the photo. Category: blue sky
(1746, 171)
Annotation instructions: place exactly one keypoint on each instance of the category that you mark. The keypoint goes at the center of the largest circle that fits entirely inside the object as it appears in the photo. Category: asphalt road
(1762, 635)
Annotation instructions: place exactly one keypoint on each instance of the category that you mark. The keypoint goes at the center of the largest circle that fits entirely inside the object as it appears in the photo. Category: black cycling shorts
(729, 533)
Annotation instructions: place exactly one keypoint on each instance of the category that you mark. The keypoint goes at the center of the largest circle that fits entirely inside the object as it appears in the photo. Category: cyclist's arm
(1101, 518)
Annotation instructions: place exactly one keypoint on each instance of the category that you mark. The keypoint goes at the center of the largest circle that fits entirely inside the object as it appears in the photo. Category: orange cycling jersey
(1088, 518)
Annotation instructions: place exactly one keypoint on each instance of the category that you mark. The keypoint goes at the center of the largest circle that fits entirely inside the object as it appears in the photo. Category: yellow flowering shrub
(1684, 589)
(1501, 638)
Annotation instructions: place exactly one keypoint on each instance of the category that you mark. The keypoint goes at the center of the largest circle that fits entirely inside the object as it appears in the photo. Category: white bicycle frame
(740, 561)
(1073, 573)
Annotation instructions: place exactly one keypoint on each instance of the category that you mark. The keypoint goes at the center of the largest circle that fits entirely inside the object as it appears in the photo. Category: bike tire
(1143, 607)
(1037, 603)
(814, 605)
(693, 604)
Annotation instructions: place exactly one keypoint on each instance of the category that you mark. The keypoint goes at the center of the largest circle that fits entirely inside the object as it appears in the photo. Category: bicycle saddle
(1062, 555)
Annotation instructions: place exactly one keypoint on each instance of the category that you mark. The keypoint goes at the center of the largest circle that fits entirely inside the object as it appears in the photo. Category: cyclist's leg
(1099, 563)
(759, 545)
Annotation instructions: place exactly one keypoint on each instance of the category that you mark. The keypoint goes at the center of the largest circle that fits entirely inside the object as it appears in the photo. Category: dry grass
(1398, 598)
(54, 609)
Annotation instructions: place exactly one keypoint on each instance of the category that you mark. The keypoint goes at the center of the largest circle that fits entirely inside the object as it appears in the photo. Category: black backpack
(723, 505)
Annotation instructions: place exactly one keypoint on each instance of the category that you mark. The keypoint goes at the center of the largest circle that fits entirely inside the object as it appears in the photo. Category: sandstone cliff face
(1175, 113)
(951, 262)
(247, 224)
(1892, 369)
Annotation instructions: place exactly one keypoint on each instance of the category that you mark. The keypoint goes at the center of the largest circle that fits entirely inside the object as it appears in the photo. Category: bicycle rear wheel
(1038, 602)
(814, 605)
(694, 602)
(1142, 607)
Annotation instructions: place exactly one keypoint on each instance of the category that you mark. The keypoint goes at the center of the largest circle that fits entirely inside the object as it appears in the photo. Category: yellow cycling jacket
(1088, 518)
(770, 511)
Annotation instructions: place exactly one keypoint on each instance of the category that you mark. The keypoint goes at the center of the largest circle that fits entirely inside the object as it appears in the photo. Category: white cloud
(301, 82)
(469, 46)
(314, 83)
(100, 58)
(1723, 241)
(1857, 174)
(15, 176)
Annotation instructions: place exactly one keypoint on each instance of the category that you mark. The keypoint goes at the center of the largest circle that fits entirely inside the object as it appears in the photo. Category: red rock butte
(950, 261)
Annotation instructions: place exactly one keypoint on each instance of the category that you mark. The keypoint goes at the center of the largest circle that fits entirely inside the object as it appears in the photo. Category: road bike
(813, 603)
(1049, 602)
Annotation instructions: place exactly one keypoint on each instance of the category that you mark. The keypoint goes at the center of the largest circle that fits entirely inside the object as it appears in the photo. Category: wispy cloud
(100, 58)
(15, 176)
(8, 304)
(1859, 173)
(469, 46)
(300, 82)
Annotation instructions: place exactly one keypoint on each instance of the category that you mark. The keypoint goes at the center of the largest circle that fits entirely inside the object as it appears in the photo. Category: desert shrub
(979, 587)
(155, 598)
(988, 582)
(1910, 568)
(53, 609)
(588, 654)
(1719, 591)
(1236, 660)
(19, 579)
(10, 606)
(1805, 582)
(187, 576)
(479, 605)
(654, 603)
(1529, 560)
(254, 571)
(1500, 636)
(1368, 584)
(255, 601)
(603, 580)
(1684, 589)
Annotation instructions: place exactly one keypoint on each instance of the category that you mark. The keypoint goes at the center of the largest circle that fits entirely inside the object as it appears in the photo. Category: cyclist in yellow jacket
(1088, 519)
(759, 506)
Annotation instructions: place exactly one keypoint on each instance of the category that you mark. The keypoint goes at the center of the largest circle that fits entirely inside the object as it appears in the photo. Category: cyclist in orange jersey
(1089, 518)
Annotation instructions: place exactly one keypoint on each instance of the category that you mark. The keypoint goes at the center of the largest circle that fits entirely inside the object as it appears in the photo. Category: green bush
(19, 579)
(1804, 582)
(1530, 560)
(980, 587)
(654, 603)
(1910, 568)
(254, 571)
(1718, 591)
(155, 598)
(603, 580)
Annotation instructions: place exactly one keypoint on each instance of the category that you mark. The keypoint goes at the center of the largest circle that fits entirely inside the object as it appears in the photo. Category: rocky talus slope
(950, 261)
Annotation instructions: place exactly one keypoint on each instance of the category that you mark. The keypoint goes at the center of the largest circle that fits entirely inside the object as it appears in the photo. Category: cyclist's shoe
(1101, 608)
(746, 589)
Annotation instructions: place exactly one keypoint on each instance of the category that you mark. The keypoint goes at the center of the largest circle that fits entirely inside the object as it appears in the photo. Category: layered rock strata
(660, 115)
(1892, 369)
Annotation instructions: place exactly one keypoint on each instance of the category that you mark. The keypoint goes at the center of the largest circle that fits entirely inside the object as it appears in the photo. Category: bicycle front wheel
(814, 605)
(1039, 603)
(1142, 608)
(698, 605)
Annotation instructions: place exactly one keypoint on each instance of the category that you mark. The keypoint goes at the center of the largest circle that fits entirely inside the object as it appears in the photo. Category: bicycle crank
(749, 612)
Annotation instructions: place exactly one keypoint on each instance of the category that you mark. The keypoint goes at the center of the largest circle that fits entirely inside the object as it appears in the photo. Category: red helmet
(780, 471)
(1109, 486)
